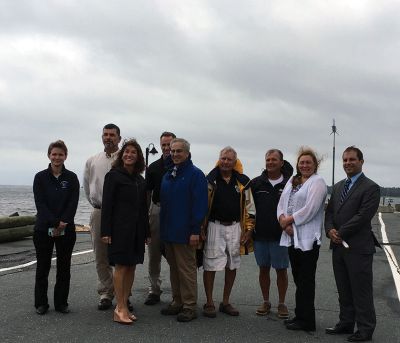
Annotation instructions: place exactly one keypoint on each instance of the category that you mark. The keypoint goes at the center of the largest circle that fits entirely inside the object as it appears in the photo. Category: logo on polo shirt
(64, 184)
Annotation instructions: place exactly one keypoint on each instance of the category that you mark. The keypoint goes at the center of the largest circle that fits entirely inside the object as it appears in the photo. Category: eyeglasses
(176, 151)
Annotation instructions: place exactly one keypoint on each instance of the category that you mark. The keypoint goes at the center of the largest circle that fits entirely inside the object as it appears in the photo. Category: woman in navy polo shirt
(56, 192)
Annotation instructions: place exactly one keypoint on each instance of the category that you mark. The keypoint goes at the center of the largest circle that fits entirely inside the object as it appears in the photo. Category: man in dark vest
(154, 175)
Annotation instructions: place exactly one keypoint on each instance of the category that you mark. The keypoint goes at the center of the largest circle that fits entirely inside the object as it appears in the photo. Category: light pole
(153, 151)
(333, 157)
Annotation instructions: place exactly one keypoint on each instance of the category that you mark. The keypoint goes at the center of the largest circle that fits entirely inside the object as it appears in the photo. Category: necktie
(345, 190)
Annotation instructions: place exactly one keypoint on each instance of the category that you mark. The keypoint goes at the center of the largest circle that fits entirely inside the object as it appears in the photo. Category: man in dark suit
(352, 206)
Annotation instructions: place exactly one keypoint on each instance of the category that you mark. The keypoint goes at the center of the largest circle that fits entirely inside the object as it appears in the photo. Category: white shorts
(222, 247)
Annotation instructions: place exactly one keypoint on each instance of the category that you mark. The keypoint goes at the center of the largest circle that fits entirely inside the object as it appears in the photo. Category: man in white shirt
(96, 168)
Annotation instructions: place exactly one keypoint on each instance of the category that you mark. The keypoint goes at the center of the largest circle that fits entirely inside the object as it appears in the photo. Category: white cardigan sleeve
(316, 195)
(284, 199)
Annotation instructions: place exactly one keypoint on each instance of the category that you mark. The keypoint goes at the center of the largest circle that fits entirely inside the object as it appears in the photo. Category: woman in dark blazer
(56, 192)
(124, 222)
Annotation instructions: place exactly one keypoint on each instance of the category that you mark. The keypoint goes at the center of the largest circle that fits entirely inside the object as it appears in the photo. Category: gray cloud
(252, 75)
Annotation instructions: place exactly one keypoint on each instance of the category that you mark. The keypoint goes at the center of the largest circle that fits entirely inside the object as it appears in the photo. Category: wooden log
(9, 222)
(82, 228)
(16, 233)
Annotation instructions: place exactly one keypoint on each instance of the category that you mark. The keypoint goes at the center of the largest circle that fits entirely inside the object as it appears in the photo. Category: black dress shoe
(129, 305)
(299, 326)
(42, 309)
(289, 321)
(339, 329)
(62, 309)
(152, 299)
(104, 304)
(359, 337)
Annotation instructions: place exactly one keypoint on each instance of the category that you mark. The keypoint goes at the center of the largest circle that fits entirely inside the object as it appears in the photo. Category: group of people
(195, 220)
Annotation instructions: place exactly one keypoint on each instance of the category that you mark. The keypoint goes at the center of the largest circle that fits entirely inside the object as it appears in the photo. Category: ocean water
(20, 199)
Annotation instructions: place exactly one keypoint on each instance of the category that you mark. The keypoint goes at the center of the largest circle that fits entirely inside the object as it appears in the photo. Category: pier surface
(20, 323)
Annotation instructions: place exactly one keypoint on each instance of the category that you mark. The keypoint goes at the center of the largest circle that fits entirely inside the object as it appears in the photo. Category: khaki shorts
(222, 247)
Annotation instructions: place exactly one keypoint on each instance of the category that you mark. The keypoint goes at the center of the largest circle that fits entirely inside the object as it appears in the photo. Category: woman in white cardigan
(300, 213)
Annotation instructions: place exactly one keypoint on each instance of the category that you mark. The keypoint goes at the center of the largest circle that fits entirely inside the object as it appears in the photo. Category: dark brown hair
(139, 165)
(305, 151)
(112, 126)
(167, 134)
(57, 144)
(359, 153)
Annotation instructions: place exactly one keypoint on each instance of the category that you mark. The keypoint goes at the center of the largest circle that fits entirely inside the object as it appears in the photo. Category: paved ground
(20, 323)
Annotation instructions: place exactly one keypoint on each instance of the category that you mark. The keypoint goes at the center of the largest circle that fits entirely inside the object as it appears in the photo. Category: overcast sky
(251, 74)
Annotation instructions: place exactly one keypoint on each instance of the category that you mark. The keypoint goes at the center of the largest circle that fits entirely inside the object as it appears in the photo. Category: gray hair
(184, 142)
(271, 151)
(228, 149)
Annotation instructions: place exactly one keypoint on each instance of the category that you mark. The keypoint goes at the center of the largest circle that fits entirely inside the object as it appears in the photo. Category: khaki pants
(154, 250)
(105, 286)
(183, 274)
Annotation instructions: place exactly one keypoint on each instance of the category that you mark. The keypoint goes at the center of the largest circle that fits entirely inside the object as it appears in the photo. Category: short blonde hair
(305, 151)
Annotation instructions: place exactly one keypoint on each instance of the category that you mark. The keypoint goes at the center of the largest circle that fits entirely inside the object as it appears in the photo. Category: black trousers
(44, 245)
(304, 266)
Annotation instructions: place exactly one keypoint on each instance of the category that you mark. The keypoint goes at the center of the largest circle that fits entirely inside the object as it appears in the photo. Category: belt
(97, 207)
(224, 223)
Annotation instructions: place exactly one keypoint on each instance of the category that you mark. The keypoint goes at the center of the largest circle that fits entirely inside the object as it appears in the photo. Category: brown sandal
(209, 311)
(228, 309)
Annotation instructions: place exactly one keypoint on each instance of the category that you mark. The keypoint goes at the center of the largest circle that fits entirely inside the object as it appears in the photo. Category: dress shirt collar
(353, 179)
